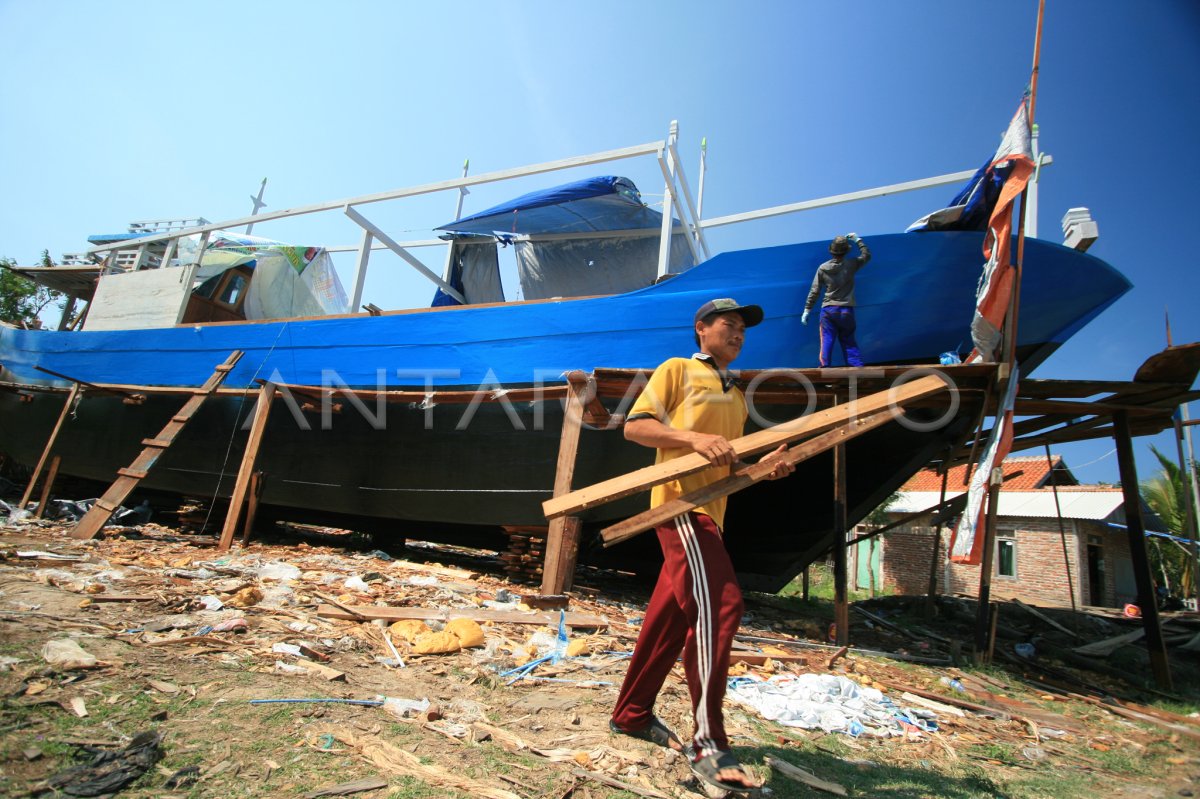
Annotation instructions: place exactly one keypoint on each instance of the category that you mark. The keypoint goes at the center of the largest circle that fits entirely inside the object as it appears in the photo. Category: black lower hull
(453, 475)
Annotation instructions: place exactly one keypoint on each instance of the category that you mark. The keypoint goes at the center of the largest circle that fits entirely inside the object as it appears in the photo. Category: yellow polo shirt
(689, 394)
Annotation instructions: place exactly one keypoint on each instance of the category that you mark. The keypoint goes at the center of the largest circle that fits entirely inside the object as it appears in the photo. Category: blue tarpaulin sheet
(607, 202)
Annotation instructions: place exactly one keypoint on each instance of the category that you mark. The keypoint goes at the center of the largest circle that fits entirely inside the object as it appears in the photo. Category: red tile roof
(1020, 474)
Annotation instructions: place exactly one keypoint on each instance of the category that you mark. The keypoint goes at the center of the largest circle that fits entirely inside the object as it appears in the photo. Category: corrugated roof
(1034, 472)
(1097, 504)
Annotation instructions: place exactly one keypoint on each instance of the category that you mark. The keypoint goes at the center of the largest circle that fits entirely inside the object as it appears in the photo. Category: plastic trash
(286, 649)
(356, 583)
(1026, 651)
(109, 770)
(380, 554)
(302, 627)
(66, 654)
(277, 570)
(210, 602)
(953, 684)
(422, 579)
(289, 668)
(133, 517)
(230, 625)
(404, 708)
(949, 358)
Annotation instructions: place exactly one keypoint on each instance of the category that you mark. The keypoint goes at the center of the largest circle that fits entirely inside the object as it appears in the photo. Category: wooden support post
(562, 539)
(99, 514)
(841, 611)
(262, 412)
(983, 606)
(1062, 530)
(1136, 529)
(256, 487)
(993, 619)
(37, 470)
(47, 485)
(804, 584)
(934, 559)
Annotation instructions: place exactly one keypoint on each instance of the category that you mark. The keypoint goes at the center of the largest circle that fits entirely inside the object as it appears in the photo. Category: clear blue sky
(119, 111)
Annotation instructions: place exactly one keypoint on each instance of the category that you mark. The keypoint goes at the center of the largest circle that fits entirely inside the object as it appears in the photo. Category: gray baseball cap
(751, 314)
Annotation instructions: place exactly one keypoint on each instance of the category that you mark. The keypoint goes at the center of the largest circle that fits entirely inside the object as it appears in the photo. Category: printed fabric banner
(1015, 156)
(966, 545)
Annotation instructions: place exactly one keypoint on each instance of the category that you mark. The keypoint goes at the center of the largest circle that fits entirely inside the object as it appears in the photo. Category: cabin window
(231, 294)
(1006, 554)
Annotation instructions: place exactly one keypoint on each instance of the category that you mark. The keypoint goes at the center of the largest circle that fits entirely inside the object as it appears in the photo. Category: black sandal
(655, 732)
(707, 768)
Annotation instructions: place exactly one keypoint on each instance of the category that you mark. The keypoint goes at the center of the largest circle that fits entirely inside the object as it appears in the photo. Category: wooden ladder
(129, 477)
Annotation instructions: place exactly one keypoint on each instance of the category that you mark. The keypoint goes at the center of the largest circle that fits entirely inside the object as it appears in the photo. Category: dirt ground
(139, 603)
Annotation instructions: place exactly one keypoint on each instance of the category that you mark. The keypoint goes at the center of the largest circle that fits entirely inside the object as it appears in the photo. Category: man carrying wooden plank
(692, 405)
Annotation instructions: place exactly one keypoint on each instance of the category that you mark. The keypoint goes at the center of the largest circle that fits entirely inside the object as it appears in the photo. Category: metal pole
(258, 203)
(447, 271)
(664, 243)
(1062, 532)
(1136, 530)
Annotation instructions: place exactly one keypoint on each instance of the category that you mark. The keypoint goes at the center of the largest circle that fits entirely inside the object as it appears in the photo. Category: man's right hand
(804, 318)
(717, 449)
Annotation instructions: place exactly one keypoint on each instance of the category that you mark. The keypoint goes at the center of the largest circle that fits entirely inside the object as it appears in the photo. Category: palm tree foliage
(1166, 494)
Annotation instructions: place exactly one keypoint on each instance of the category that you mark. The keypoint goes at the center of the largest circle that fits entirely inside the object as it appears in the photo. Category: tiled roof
(1020, 474)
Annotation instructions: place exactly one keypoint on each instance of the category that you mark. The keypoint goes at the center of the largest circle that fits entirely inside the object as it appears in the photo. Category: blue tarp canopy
(109, 238)
(607, 202)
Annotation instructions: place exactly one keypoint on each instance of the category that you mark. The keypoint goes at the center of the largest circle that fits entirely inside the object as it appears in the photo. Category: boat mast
(1015, 301)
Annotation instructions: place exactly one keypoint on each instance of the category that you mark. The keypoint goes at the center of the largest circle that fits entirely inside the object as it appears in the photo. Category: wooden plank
(256, 488)
(1160, 664)
(262, 412)
(361, 612)
(802, 427)
(562, 539)
(841, 599)
(1172, 365)
(800, 775)
(156, 442)
(48, 485)
(743, 478)
(62, 416)
(1038, 614)
(98, 515)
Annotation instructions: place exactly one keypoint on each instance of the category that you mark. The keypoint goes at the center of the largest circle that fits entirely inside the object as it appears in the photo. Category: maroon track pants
(696, 607)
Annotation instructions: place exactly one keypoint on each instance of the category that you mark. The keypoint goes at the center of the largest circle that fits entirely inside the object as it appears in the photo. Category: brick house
(1028, 560)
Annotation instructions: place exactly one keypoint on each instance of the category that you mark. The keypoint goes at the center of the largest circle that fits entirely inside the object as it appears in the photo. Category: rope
(233, 432)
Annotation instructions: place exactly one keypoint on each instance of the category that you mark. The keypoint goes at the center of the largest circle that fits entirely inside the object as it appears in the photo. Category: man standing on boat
(693, 405)
(837, 309)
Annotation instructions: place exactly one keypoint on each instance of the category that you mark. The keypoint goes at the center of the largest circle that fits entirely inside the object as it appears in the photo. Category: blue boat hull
(423, 474)
(915, 301)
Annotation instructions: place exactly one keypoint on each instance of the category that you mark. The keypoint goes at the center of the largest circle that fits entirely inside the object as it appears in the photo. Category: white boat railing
(678, 201)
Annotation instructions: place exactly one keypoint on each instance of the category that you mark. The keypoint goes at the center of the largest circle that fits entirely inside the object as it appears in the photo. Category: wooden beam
(47, 485)
(562, 539)
(802, 427)
(1136, 529)
(62, 417)
(262, 412)
(743, 478)
(256, 488)
(841, 601)
(99, 514)
(368, 612)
